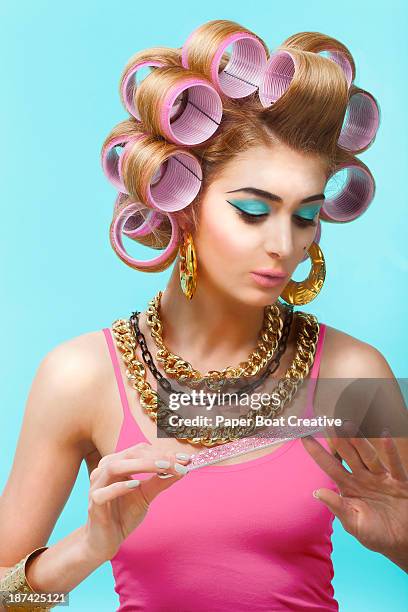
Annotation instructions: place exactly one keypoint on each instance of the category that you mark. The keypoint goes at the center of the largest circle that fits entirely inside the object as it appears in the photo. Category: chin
(260, 297)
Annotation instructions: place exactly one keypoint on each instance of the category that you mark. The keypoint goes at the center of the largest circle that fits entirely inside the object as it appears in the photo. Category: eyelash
(248, 218)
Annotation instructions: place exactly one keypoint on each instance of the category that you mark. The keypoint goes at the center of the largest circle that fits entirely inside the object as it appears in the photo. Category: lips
(267, 280)
(270, 273)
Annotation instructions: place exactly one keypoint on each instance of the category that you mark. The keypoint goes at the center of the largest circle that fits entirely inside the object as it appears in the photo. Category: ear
(185, 225)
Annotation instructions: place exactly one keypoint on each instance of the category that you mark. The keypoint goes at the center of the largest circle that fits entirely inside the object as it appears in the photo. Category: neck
(210, 328)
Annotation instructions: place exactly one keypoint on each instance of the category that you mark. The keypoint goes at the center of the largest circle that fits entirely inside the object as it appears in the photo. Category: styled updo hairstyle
(218, 95)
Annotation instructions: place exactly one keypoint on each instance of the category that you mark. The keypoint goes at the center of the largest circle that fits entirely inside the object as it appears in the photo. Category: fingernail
(131, 484)
(316, 493)
(181, 469)
(161, 463)
(182, 456)
(165, 476)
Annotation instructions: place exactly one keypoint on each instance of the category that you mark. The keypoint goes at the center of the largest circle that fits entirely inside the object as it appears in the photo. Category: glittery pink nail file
(216, 454)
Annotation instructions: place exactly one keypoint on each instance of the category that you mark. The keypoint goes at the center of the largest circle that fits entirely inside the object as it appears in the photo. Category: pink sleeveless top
(231, 538)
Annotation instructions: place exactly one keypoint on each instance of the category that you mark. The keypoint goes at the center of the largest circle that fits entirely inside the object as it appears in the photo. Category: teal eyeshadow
(308, 212)
(254, 207)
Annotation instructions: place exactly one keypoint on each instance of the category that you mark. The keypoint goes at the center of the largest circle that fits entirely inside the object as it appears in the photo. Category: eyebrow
(275, 198)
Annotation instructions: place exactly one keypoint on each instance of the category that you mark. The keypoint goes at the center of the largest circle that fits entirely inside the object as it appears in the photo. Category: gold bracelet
(15, 581)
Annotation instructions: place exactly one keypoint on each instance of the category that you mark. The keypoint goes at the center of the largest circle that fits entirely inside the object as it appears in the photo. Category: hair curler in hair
(361, 120)
(152, 171)
(137, 224)
(340, 59)
(278, 76)
(354, 196)
(205, 49)
(324, 45)
(156, 57)
(129, 86)
(110, 159)
(152, 265)
(180, 105)
(360, 123)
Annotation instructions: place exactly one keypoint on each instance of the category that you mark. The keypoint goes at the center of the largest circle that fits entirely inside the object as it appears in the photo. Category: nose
(279, 236)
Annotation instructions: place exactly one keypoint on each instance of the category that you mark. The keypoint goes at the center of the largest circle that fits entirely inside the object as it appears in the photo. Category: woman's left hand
(373, 500)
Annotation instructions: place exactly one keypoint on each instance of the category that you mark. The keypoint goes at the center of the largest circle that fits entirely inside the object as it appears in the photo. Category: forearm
(63, 566)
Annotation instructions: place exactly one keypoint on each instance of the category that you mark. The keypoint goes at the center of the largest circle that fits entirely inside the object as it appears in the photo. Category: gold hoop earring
(188, 266)
(305, 291)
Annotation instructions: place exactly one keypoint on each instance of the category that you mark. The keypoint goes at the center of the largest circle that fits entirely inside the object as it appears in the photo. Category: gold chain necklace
(285, 390)
(177, 367)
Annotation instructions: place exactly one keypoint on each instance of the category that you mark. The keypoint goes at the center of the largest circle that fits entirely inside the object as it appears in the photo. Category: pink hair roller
(340, 59)
(173, 187)
(243, 73)
(279, 73)
(115, 234)
(200, 117)
(178, 183)
(111, 160)
(136, 225)
(353, 198)
(360, 124)
(277, 77)
(128, 85)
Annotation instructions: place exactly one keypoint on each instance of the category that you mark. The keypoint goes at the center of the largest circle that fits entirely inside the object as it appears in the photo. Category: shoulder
(344, 356)
(78, 359)
(69, 384)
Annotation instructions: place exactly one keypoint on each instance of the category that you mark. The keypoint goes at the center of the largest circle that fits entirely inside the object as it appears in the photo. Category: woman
(224, 161)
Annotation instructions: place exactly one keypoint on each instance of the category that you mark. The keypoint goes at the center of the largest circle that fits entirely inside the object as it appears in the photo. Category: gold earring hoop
(188, 266)
(305, 291)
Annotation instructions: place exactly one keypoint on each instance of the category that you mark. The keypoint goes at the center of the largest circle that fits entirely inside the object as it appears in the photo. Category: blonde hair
(308, 117)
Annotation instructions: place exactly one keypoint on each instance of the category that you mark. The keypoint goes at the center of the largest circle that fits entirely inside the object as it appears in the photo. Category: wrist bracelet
(15, 581)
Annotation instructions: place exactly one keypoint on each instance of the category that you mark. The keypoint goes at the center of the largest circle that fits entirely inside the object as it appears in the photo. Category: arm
(346, 357)
(53, 440)
(374, 502)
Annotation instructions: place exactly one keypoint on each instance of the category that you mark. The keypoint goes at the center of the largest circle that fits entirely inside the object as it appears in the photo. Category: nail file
(213, 455)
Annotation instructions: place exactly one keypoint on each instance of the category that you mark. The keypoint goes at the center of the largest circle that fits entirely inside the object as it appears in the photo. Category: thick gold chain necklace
(285, 390)
(177, 367)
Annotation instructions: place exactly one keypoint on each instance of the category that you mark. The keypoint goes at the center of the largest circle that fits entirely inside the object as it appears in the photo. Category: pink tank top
(231, 538)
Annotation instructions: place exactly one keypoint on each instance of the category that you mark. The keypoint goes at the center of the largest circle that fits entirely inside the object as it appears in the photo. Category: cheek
(222, 239)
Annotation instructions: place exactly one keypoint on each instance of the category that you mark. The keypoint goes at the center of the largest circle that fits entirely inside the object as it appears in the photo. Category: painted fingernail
(316, 493)
(181, 469)
(182, 456)
(161, 463)
(132, 484)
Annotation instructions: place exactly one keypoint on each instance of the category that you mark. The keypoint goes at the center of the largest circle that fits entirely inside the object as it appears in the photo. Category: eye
(303, 222)
(249, 217)
(251, 211)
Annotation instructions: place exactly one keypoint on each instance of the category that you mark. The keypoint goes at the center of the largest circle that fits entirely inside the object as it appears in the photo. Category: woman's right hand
(115, 509)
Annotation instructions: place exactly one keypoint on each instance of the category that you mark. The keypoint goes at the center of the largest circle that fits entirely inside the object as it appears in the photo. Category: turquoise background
(59, 277)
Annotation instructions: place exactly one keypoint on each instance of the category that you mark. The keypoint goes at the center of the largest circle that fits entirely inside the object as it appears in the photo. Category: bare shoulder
(55, 437)
(73, 375)
(344, 356)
